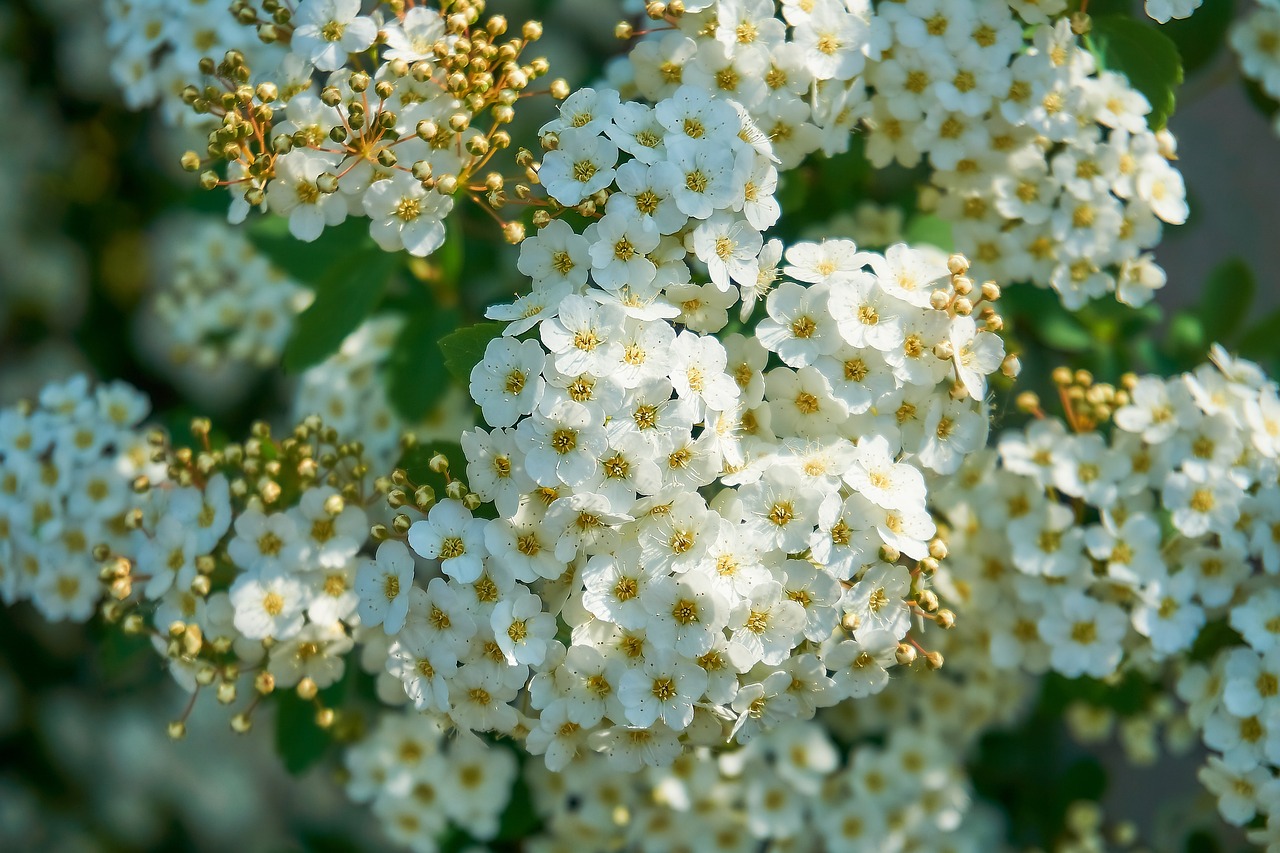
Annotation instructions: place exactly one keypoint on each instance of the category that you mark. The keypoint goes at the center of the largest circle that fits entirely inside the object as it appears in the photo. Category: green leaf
(1200, 37)
(308, 263)
(300, 742)
(416, 376)
(927, 228)
(1143, 54)
(1262, 339)
(464, 349)
(344, 297)
(416, 462)
(1061, 331)
(1227, 296)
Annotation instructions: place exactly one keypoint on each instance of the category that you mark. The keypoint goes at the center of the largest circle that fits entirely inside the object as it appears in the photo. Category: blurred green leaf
(416, 376)
(464, 348)
(300, 742)
(1186, 339)
(1063, 332)
(344, 297)
(1261, 341)
(930, 229)
(1201, 36)
(1143, 54)
(1225, 302)
(308, 263)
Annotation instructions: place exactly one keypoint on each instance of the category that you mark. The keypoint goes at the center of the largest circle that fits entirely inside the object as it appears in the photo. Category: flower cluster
(688, 539)
(1113, 552)
(1256, 39)
(419, 783)
(218, 300)
(394, 132)
(791, 787)
(1043, 164)
(157, 46)
(240, 563)
(66, 468)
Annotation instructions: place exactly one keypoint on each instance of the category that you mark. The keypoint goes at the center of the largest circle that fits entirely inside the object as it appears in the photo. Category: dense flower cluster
(218, 300)
(1115, 551)
(66, 467)
(721, 553)
(237, 560)
(157, 46)
(394, 132)
(792, 787)
(420, 783)
(1256, 40)
(1043, 164)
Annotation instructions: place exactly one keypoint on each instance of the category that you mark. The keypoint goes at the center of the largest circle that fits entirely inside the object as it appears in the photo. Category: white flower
(580, 165)
(1083, 635)
(406, 216)
(268, 606)
(664, 687)
(384, 584)
(327, 30)
(451, 535)
(522, 630)
(508, 383)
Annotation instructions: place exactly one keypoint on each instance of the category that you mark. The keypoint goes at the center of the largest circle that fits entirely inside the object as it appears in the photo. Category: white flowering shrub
(671, 462)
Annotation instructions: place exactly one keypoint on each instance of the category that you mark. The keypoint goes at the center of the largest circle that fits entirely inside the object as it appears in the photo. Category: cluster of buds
(400, 128)
(241, 563)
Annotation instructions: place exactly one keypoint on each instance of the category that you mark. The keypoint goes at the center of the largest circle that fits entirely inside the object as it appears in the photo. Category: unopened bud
(906, 654)
(934, 660)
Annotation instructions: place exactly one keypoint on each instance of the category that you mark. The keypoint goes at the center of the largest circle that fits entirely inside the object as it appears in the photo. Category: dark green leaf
(1225, 303)
(930, 229)
(464, 349)
(1262, 339)
(300, 742)
(416, 375)
(344, 297)
(308, 263)
(416, 462)
(1144, 55)
(1200, 37)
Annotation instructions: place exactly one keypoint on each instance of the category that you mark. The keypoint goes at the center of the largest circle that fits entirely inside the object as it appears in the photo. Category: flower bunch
(1117, 550)
(1256, 40)
(67, 467)
(219, 300)
(397, 129)
(792, 787)
(1043, 164)
(239, 562)
(157, 46)
(420, 783)
(684, 535)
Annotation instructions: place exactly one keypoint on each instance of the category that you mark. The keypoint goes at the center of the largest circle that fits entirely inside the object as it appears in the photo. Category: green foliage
(1225, 301)
(299, 741)
(345, 297)
(347, 272)
(416, 375)
(1143, 54)
(464, 349)
(927, 228)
